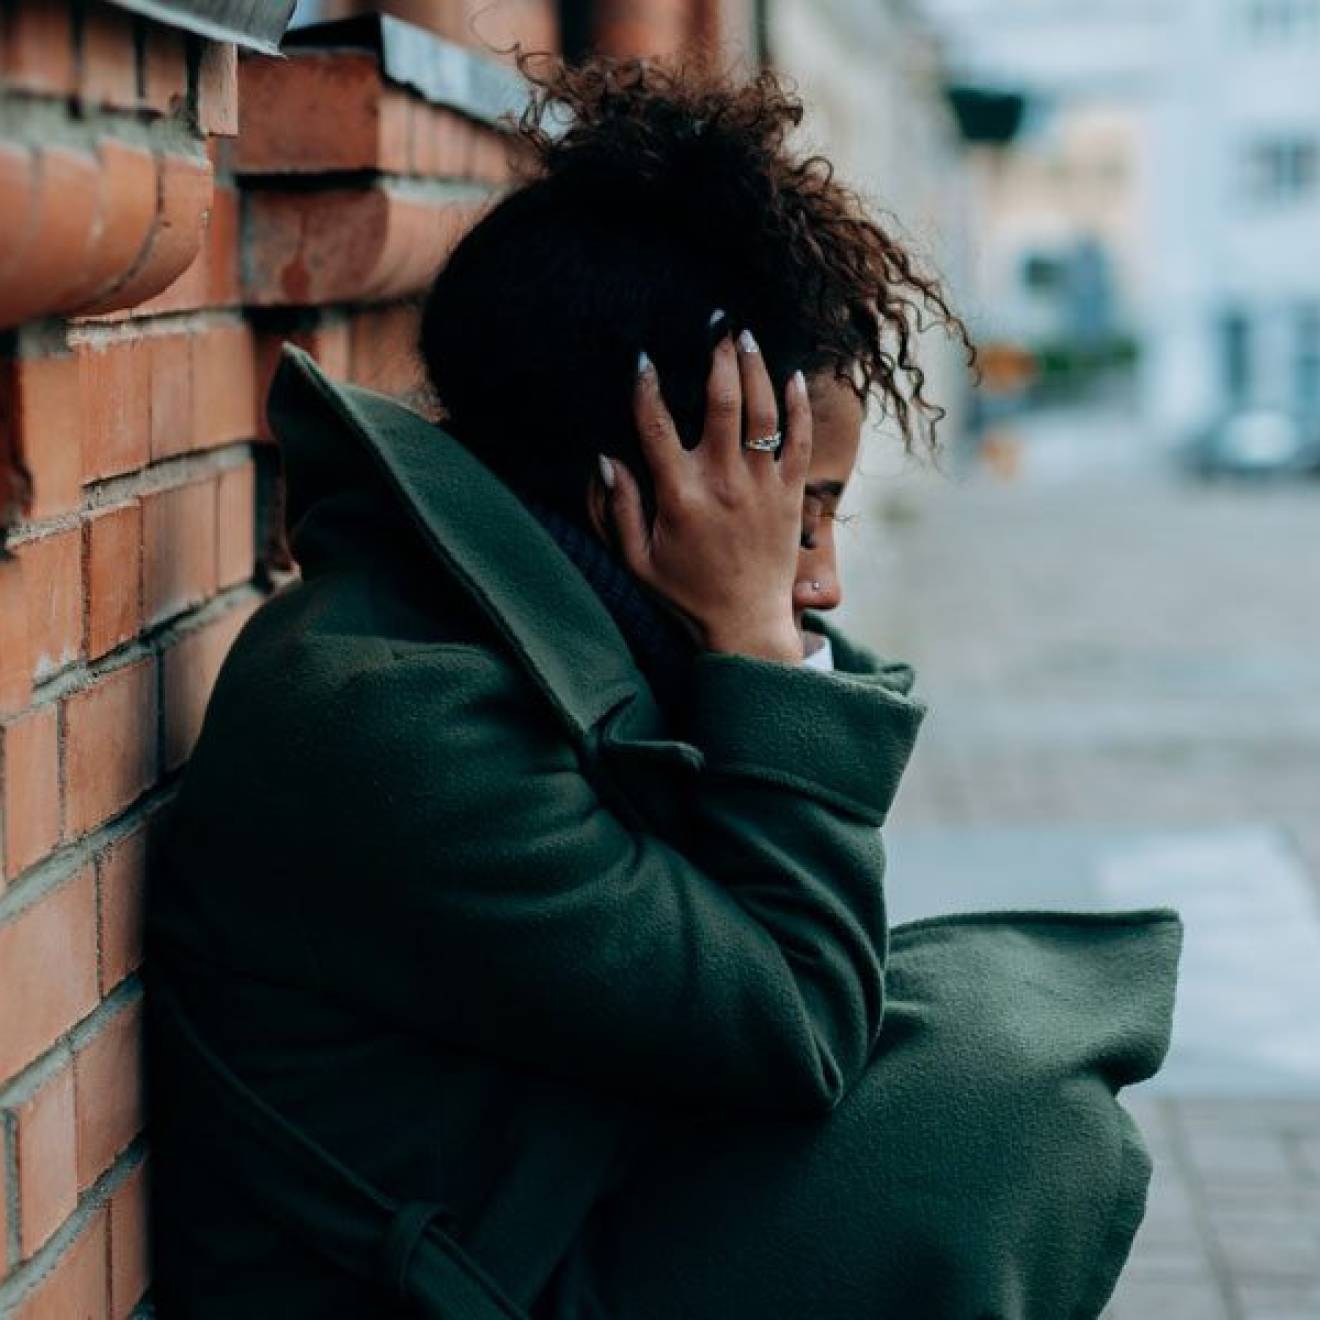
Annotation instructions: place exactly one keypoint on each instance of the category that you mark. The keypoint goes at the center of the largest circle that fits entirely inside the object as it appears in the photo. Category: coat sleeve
(498, 904)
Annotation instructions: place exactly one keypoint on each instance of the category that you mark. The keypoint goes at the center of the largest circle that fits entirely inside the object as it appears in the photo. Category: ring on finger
(769, 443)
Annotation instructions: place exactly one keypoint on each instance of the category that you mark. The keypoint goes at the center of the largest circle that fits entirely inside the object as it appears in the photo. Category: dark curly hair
(648, 196)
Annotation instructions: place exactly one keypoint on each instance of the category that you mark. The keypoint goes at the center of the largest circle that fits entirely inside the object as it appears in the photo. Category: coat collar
(483, 535)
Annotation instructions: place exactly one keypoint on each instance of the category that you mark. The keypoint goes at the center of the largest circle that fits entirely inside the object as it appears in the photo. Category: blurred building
(1166, 182)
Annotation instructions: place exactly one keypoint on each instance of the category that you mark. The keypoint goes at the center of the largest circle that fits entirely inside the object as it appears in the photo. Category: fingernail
(607, 468)
(716, 315)
(747, 342)
(643, 363)
(797, 382)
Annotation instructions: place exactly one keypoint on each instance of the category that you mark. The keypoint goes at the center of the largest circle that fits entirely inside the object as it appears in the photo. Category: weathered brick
(52, 576)
(129, 1243)
(113, 549)
(224, 386)
(109, 745)
(178, 549)
(127, 214)
(47, 1175)
(121, 873)
(164, 70)
(217, 89)
(190, 669)
(77, 1288)
(48, 969)
(31, 770)
(36, 48)
(108, 1087)
(116, 407)
(108, 75)
(223, 282)
(236, 524)
(39, 407)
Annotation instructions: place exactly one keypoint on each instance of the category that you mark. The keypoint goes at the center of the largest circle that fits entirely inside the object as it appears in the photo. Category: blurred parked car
(1256, 442)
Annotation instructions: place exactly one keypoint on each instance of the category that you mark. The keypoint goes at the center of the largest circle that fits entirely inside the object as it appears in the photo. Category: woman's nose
(817, 589)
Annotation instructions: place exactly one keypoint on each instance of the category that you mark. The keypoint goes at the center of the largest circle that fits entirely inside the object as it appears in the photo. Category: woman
(518, 944)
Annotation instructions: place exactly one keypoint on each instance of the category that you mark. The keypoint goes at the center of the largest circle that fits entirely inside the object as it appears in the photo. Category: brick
(36, 49)
(108, 1090)
(314, 112)
(223, 283)
(127, 214)
(52, 573)
(31, 770)
(443, 143)
(113, 550)
(39, 406)
(171, 372)
(217, 89)
(129, 1244)
(77, 1288)
(164, 70)
(121, 874)
(224, 386)
(116, 393)
(236, 524)
(184, 197)
(108, 75)
(48, 969)
(109, 745)
(178, 549)
(47, 1173)
(191, 667)
(328, 341)
(15, 668)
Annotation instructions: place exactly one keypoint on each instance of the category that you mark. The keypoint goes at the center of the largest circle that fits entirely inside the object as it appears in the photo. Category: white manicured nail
(607, 468)
(643, 363)
(797, 382)
(747, 342)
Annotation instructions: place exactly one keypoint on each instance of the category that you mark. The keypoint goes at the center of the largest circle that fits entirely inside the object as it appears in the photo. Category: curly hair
(648, 195)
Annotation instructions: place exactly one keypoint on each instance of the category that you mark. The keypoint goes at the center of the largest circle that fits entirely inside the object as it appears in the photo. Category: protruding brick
(36, 47)
(77, 1288)
(224, 386)
(236, 524)
(164, 70)
(108, 1075)
(116, 394)
(316, 111)
(31, 770)
(40, 407)
(113, 549)
(223, 281)
(124, 224)
(52, 573)
(47, 1172)
(110, 746)
(217, 89)
(191, 666)
(129, 1244)
(109, 59)
(121, 874)
(343, 246)
(185, 197)
(48, 969)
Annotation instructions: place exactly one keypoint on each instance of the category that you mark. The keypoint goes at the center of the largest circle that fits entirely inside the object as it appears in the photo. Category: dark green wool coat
(441, 887)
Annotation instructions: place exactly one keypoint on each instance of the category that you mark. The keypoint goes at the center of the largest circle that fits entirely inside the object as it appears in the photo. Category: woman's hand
(724, 545)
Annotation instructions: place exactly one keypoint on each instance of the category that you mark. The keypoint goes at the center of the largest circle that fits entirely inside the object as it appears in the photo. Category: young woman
(518, 942)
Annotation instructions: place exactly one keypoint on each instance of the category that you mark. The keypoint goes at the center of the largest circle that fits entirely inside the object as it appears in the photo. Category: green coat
(442, 888)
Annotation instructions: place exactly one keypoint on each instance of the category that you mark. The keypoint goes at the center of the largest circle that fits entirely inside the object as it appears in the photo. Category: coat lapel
(493, 546)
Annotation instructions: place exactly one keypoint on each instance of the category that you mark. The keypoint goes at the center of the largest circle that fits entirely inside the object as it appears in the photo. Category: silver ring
(768, 443)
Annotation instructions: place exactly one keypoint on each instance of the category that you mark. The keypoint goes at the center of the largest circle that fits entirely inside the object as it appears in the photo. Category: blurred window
(1282, 169)
(1236, 333)
(1307, 358)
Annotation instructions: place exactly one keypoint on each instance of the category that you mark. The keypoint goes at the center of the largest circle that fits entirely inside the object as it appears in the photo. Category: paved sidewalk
(1124, 680)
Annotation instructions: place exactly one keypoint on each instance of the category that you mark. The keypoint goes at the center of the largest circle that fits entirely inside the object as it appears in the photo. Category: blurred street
(1123, 671)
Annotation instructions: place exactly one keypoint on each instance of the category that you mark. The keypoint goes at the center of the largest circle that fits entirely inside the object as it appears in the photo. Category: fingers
(721, 436)
(629, 516)
(760, 412)
(660, 443)
(795, 457)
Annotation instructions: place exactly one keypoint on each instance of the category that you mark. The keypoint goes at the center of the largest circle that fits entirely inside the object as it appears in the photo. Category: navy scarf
(663, 651)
